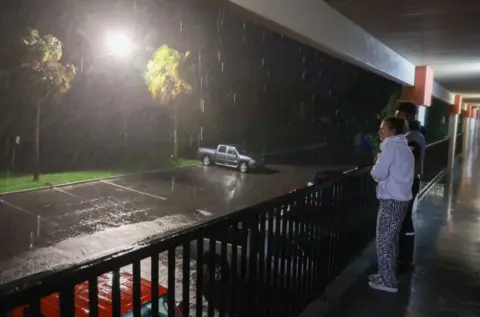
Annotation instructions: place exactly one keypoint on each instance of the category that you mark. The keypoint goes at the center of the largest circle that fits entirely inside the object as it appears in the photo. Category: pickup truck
(231, 156)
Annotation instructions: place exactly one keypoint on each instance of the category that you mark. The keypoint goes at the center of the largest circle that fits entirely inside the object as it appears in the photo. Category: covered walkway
(446, 282)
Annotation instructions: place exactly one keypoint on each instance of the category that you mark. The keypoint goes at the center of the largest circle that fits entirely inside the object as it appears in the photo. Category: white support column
(475, 125)
(466, 136)
(452, 134)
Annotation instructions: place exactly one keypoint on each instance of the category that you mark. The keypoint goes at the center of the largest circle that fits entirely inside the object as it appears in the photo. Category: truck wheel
(206, 160)
(243, 167)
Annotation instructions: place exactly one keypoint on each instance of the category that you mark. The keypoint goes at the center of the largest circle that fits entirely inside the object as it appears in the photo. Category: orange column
(456, 108)
(469, 113)
(421, 92)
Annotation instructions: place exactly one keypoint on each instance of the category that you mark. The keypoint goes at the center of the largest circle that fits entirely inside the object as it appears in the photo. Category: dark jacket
(418, 144)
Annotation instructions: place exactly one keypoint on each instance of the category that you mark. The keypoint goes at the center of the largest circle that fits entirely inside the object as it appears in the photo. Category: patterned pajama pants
(390, 217)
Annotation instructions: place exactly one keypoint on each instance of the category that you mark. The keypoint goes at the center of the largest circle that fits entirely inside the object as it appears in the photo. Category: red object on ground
(50, 305)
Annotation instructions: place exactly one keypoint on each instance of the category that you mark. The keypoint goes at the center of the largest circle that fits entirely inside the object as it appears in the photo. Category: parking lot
(47, 228)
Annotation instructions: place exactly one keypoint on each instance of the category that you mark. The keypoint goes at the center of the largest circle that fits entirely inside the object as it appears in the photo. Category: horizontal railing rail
(436, 157)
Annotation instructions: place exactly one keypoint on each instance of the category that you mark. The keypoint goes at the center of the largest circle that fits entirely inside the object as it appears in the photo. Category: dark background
(256, 87)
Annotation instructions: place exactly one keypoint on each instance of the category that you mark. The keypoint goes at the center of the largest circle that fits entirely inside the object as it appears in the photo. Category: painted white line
(90, 201)
(133, 190)
(69, 194)
(28, 212)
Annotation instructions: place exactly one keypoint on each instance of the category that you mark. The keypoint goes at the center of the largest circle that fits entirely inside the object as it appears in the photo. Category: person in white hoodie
(394, 173)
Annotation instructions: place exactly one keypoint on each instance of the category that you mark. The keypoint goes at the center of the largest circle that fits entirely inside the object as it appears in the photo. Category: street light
(119, 44)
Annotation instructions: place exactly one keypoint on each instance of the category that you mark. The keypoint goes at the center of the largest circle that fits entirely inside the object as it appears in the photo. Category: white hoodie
(394, 169)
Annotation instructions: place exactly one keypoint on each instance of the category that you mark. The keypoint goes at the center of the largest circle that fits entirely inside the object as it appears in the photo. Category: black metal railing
(436, 157)
(268, 260)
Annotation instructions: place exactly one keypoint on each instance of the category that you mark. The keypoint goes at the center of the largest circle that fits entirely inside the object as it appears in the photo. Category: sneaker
(379, 286)
(374, 278)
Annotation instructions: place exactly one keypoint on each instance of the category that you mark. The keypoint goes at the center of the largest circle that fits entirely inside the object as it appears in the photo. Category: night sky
(256, 86)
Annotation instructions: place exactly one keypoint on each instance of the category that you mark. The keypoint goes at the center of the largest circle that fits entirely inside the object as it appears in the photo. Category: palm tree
(164, 77)
(46, 76)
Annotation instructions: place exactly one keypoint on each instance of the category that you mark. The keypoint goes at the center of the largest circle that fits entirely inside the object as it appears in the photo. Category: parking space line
(133, 190)
(90, 201)
(69, 194)
(28, 212)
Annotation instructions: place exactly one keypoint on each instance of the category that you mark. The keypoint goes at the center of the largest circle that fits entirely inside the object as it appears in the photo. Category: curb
(304, 148)
(92, 180)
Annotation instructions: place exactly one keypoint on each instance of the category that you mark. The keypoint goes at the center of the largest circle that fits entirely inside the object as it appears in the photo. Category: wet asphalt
(46, 228)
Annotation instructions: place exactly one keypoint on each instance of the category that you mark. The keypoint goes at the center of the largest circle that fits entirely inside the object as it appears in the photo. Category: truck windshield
(146, 309)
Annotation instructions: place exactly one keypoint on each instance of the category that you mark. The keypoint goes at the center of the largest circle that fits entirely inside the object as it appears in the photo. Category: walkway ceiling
(443, 34)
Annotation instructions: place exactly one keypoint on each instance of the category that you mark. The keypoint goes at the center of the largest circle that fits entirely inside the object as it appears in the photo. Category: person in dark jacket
(416, 141)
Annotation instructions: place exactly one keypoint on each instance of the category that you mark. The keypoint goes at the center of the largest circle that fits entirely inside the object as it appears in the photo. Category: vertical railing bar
(243, 274)
(311, 242)
(34, 307)
(293, 259)
(67, 301)
(290, 254)
(306, 259)
(199, 284)
(186, 280)
(253, 265)
(171, 282)
(316, 245)
(283, 246)
(116, 310)
(154, 289)
(233, 311)
(278, 237)
(93, 296)
(299, 258)
(269, 278)
(136, 288)
(263, 244)
(213, 301)
(224, 283)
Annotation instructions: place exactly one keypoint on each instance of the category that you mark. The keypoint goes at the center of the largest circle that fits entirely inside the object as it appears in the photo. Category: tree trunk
(36, 174)
(125, 133)
(175, 128)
